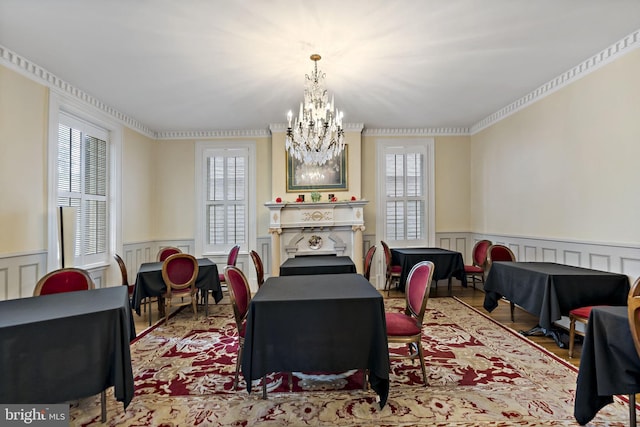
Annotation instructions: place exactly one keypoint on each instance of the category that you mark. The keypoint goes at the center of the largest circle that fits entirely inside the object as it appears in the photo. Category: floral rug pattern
(480, 374)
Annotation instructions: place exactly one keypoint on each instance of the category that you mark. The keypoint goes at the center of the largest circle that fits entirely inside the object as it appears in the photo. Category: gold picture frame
(330, 176)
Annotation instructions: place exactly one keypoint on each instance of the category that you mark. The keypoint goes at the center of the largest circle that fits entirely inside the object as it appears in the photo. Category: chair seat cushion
(396, 269)
(581, 311)
(473, 269)
(221, 277)
(399, 324)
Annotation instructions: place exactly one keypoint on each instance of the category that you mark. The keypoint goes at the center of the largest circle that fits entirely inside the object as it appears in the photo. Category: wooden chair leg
(632, 410)
(264, 387)
(572, 335)
(512, 306)
(238, 360)
(290, 382)
(422, 364)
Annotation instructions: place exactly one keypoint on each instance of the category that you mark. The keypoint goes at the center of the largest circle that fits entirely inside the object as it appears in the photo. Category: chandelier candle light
(317, 135)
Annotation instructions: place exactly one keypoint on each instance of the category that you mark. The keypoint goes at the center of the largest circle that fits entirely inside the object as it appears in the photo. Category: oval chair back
(233, 255)
(368, 260)
(179, 272)
(240, 296)
(166, 252)
(64, 280)
(123, 274)
(257, 263)
(417, 291)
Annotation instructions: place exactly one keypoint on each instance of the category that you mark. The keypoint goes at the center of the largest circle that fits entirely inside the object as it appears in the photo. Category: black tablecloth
(321, 264)
(609, 363)
(326, 323)
(60, 347)
(447, 263)
(551, 290)
(149, 282)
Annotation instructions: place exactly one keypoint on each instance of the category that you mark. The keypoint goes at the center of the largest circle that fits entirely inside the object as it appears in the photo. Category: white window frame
(424, 146)
(61, 103)
(204, 149)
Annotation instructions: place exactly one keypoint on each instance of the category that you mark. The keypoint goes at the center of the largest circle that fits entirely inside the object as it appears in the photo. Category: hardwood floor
(475, 298)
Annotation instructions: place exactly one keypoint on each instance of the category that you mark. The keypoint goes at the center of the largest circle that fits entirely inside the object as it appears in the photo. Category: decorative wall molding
(213, 134)
(437, 131)
(48, 79)
(20, 272)
(348, 127)
(623, 46)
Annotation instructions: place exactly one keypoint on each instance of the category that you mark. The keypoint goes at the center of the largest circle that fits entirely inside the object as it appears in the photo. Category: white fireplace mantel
(338, 226)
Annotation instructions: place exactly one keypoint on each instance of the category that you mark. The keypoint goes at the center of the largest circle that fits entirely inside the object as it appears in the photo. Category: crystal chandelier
(317, 135)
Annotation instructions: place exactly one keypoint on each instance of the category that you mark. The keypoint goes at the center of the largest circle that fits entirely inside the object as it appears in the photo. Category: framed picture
(330, 176)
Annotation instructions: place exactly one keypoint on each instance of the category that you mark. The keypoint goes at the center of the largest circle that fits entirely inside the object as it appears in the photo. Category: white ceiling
(202, 65)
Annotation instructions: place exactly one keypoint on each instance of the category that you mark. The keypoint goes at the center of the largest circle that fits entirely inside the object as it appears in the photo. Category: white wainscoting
(20, 272)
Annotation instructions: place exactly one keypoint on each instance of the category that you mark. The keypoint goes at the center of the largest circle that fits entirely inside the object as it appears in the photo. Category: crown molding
(444, 131)
(208, 134)
(616, 50)
(348, 127)
(50, 80)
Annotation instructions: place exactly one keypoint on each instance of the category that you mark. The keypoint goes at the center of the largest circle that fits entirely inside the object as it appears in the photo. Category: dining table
(317, 323)
(550, 290)
(609, 363)
(149, 283)
(65, 346)
(317, 264)
(447, 263)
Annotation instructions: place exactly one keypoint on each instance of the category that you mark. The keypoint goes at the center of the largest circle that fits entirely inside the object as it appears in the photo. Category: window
(82, 182)
(226, 204)
(405, 211)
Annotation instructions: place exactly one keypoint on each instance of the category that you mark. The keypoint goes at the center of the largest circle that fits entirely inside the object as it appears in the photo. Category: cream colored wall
(452, 187)
(139, 174)
(23, 164)
(565, 167)
(174, 191)
(452, 182)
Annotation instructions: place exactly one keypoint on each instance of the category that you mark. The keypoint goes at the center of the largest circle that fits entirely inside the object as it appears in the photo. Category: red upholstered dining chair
(232, 258)
(166, 252)
(368, 260)
(64, 280)
(580, 315)
(257, 263)
(475, 271)
(179, 272)
(406, 328)
(124, 275)
(501, 253)
(240, 296)
(393, 271)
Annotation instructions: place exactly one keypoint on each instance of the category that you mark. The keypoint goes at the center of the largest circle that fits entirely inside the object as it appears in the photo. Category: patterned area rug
(480, 374)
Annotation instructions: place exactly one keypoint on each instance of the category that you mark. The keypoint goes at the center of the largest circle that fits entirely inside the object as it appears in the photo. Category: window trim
(61, 103)
(425, 146)
(202, 147)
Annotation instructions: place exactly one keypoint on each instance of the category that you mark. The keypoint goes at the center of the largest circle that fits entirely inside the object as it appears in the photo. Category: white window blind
(226, 203)
(83, 183)
(405, 197)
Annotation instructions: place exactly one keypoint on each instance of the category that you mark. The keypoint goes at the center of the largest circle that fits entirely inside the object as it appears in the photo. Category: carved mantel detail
(333, 227)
